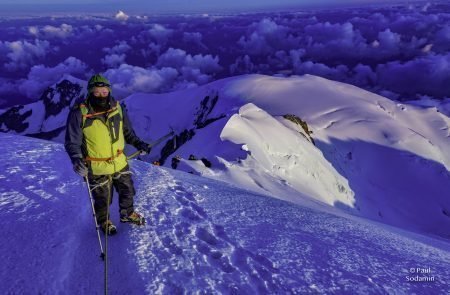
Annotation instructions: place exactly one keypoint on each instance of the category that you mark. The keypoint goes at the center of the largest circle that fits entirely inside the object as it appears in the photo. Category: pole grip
(156, 142)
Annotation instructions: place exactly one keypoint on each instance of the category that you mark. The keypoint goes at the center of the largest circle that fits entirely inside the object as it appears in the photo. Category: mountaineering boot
(134, 218)
(109, 227)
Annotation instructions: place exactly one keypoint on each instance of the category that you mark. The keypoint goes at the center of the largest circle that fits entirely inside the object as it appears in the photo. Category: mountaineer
(96, 133)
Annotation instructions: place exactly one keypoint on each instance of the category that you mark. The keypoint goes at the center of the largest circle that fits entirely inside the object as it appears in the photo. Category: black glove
(79, 167)
(145, 148)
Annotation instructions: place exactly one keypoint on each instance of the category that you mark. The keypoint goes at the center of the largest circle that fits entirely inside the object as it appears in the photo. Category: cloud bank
(397, 50)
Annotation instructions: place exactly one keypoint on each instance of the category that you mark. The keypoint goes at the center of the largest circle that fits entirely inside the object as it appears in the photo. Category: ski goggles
(100, 93)
(99, 84)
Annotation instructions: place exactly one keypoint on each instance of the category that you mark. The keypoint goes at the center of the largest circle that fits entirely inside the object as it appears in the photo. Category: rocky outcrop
(53, 102)
(60, 96)
(14, 119)
(202, 118)
(207, 105)
(296, 120)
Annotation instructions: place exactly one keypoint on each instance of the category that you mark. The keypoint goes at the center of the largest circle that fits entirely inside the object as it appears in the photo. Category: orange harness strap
(99, 113)
(119, 152)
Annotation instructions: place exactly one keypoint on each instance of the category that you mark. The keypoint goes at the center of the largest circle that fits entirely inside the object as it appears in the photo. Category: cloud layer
(401, 51)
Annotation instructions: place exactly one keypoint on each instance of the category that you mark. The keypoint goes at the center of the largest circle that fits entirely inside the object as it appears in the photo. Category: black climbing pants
(103, 185)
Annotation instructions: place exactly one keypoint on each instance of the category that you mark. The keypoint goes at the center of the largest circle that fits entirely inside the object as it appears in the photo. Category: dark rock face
(55, 99)
(206, 107)
(206, 162)
(301, 123)
(12, 120)
(201, 120)
(173, 144)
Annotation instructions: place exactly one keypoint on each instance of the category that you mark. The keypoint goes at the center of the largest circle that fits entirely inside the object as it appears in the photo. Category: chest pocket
(111, 118)
(114, 126)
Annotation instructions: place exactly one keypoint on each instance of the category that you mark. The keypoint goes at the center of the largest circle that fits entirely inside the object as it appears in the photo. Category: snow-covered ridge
(281, 154)
(312, 140)
(378, 158)
(202, 236)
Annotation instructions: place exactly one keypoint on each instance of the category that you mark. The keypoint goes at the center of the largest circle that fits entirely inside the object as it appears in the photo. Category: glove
(145, 148)
(79, 167)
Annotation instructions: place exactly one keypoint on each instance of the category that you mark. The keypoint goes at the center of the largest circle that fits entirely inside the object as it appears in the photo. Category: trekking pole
(107, 230)
(102, 255)
(156, 142)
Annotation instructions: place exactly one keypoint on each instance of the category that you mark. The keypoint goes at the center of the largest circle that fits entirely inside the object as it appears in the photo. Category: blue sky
(174, 5)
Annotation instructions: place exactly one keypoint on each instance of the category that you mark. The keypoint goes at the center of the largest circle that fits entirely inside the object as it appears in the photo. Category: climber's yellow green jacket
(99, 137)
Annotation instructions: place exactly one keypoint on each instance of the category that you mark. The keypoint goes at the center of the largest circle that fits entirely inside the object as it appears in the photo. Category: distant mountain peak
(38, 119)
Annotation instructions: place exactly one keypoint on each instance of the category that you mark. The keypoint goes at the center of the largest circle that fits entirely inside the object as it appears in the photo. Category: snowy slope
(203, 236)
(362, 153)
(372, 156)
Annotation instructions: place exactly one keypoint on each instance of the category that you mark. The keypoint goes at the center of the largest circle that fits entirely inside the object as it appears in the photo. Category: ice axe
(156, 142)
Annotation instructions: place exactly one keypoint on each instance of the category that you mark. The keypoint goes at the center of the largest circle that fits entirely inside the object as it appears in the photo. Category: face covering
(100, 104)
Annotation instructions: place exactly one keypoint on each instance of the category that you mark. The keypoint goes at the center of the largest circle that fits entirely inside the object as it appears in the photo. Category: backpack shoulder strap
(119, 108)
(84, 111)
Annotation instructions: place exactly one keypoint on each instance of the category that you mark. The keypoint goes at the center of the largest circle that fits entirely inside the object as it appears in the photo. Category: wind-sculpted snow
(363, 152)
(202, 236)
(284, 154)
